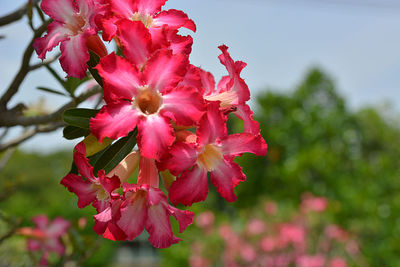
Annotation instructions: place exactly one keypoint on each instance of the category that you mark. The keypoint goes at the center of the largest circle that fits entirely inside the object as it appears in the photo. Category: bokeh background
(325, 80)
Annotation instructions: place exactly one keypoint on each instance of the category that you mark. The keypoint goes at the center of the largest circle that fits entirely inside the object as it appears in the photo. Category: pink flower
(74, 28)
(311, 261)
(270, 207)
(213, 152)
(147, 12)
(231, 92)
(290, 233)
(145, 207)
(255, 227)
(45, 237)
(312, 203)
(338, 262)
(205, 219)
(148, 100)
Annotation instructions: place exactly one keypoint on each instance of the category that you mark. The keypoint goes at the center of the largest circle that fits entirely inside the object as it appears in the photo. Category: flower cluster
(46, 236)
(176, 110)
(305, 240)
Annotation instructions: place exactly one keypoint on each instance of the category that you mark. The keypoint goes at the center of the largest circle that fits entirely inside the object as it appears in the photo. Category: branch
(10, 119)
(17, 14)
(45, 62)
(30, 133)
(24, 69)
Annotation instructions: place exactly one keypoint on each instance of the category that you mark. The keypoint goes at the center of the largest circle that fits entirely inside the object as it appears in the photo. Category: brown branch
(30, 133)
(17, 14)
(43, 63)
(10, 119)
(24, 69)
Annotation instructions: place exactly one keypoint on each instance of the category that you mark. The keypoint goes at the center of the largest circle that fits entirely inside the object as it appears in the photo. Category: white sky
(359, 46)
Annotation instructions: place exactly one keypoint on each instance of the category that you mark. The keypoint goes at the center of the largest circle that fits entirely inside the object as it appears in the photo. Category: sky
(355, 41)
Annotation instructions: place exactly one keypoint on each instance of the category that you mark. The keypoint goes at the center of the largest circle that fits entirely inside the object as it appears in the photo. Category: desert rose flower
(45, 237)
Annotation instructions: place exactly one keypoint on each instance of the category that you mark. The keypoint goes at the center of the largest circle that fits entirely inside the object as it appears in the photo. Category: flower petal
(60, 10)
(183, 105)
(165, 70)
(212, 125)
(174, 19)
(148, 172)
(83, 189)
(183, 156)
(136, 41)
(121, 79)
(124, 8)
(190, 187)
(184, 217)
(244, 113)
(155, 136)
(82, 162)
(133, 214)
(56, 33)
(237, 144)
(149, 7)
(159, 227)
(226, 176)
(114, 120)
(74, 55)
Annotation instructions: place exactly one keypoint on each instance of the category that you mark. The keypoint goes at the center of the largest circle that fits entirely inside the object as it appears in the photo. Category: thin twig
(24, 69)
(9, 119)
(45, 62)
(17, 14)
(6, 157)
(30, 133)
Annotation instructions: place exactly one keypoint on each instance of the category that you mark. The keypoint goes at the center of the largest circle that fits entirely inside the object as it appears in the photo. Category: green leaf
(55, 75)
(115, 153)
(50, 91)
(73, 132)
(79, 117)
(93, 61)
(72, 83)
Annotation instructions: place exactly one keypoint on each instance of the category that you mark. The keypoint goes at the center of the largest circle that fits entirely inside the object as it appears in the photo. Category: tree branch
(45, 62)
(10, 119)
(17, 14)
(24, 69)
(30, 133)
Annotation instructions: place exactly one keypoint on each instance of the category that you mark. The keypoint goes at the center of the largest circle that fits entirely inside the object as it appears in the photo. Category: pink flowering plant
(162, 119)
(273, 236)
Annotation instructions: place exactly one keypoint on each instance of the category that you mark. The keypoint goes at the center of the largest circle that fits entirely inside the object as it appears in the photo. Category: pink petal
(109, 184)
(155, 136)
(114, 233)
(82, 163)
(56, 33)
(190, 187)
(183, 105)
(59, 10)
(207, 81)
(33, 244)
(136, 41)
(165, 70)
(226, 177)
(55, 245)
(58, 227)
(179, 44)
(83, 189)
(183, 156)
(121, 79)
(148, 172)
(149, 7)
(174, 19)
(114, 120)
(159, 227)
(244, 113)
(104, 216)
(124, 8)
(133, 214)
(109, 27)
(212, 125)
(237, 144)
(192, 78)
(184, 217)
(74, 55)
(41, 221)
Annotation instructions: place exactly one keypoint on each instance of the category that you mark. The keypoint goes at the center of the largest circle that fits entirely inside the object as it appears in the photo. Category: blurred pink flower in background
(255, 227)
(312, 203)
(46, 236)
(270, 207)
